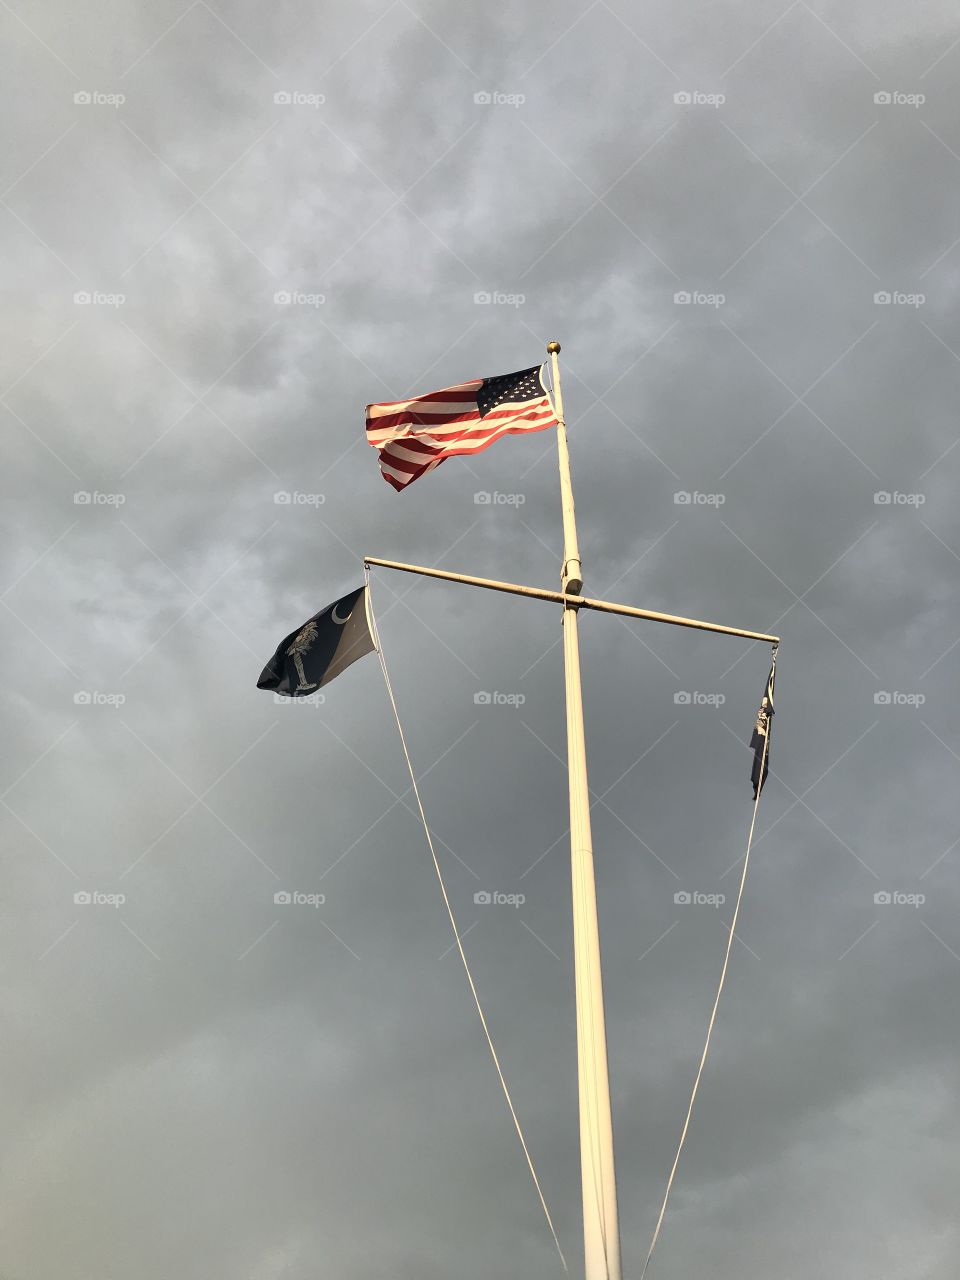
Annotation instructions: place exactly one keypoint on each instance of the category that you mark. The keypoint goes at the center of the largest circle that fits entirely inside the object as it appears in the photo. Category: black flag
(761, 735)
(311, 656)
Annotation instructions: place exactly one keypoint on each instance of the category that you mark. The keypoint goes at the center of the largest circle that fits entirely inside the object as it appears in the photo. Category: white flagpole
(601, 1229)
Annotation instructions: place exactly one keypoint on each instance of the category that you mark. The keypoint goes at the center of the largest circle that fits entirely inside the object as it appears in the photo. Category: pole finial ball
(553, 347)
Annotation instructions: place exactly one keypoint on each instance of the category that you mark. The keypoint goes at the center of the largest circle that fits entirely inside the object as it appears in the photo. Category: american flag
(414, 436)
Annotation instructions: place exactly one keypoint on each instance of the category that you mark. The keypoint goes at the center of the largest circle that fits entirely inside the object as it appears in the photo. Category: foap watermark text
(495, 499)
(308, 700)
(496, 98)
(897, 98)
(96, 298)
(483, 698)
(298, 298)
(294, 498)
(97, 98)
(684, 498)
(84, 498)
(886, 498)
(487, 898)
(97, 898)
(693, 698)
(686, 298)
(497, 298)
(894, 298)
(297, 98)
(97, 698)
(697, 98)
(894, 698)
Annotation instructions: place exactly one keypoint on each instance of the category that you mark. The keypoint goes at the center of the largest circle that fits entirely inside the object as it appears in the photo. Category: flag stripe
(455, 413)
(507, 412)
(474, 431)
(473, 427)
(386, 428)
(463, 391)
(399, 478)
(418, 450)
(399, 450)
(422, 413)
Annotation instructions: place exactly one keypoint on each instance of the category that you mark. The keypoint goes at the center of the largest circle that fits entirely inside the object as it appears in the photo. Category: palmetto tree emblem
(301, 645)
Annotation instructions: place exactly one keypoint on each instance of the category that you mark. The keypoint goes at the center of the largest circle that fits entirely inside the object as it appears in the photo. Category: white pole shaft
(571, 574)
(601, 1229)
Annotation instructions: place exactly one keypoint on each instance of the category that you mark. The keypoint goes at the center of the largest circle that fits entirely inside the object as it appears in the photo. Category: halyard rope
(713, 1012)
(453, 922)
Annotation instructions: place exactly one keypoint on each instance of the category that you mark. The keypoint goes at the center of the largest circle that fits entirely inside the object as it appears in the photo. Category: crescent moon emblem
(340, 621)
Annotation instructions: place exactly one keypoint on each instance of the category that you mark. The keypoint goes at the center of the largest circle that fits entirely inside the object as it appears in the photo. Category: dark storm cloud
(203, 1083)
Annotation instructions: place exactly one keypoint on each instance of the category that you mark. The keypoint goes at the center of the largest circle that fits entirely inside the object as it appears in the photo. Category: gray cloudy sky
(201, 1083)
